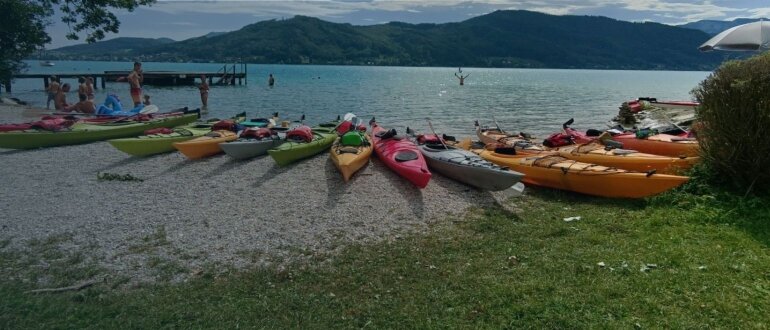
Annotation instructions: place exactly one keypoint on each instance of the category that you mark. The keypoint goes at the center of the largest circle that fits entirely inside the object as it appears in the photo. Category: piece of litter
(601, 264)
(652, 266)
(571, 219)
(702, 268)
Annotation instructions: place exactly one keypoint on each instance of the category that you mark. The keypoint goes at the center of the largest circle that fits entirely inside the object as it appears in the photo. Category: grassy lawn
(676, 261)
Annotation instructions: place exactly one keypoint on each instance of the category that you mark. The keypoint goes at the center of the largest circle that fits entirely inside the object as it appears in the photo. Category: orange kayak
(554, 171)
(660, 144)
(631, 160)
(205, 146)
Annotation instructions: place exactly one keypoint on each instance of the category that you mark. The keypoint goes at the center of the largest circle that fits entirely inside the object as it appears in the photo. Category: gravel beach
(195, 214)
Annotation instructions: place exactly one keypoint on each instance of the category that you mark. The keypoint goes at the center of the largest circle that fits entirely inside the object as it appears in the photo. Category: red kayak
(401, 155)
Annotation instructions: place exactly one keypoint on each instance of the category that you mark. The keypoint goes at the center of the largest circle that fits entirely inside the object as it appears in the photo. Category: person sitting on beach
(462, 78)
(53, 89)
(60, 101)
(90, 87)
(146, 100)
(135, 79)
(85, 105)
(204, 89)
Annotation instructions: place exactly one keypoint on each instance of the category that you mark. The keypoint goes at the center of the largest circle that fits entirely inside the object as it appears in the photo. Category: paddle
(434, 133)
(498, 125)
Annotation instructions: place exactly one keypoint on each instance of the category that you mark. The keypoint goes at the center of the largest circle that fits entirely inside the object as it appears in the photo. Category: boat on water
(46, 63)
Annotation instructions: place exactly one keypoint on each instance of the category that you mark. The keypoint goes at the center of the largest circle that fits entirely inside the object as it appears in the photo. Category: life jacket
(557, 140)
(259, 133)
(352, 139)
(300, 134)
(159, 130)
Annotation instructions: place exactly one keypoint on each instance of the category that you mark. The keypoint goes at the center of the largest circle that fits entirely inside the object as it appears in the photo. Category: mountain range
(713, 27)
(499, 39)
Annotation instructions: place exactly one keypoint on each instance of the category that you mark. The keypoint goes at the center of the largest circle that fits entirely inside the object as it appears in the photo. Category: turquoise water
(531, 100)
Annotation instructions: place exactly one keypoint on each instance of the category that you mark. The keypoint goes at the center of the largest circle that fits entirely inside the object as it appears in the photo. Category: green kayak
(152, 144)
(84, 132)
(292, 151)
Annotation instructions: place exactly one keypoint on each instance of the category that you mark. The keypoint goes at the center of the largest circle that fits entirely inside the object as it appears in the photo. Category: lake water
(530, 100)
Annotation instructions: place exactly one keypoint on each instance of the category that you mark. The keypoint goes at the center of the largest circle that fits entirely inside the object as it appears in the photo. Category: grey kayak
(250, 148)
(468, 168)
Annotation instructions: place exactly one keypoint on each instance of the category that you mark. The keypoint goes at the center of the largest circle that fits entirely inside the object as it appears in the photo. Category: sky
(179, 20)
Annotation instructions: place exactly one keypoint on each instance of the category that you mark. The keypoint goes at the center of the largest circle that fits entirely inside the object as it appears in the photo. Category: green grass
(491, 269)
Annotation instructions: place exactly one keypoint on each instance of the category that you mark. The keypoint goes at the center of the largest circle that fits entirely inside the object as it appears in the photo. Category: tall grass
(735, 119)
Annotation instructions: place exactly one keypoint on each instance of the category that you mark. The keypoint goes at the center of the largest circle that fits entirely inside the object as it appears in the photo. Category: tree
(23, 22)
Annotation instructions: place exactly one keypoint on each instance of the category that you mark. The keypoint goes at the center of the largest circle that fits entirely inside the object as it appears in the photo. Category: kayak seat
(404, 156)
(505, 150)
(387, 134)
(347, 150)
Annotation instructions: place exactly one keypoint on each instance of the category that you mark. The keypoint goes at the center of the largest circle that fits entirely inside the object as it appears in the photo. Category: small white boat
(46, 63)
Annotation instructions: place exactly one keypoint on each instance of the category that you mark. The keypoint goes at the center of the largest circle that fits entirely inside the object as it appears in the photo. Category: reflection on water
(530, 100)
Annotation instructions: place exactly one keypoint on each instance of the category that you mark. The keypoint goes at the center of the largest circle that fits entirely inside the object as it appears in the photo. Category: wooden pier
(230, 74)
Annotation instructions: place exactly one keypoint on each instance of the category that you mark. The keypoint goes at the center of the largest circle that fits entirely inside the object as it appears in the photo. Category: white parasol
(746, 37)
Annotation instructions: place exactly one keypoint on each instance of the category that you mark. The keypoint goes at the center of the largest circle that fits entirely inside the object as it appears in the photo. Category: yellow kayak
(351, 152)
(554, 171)
(205, 146)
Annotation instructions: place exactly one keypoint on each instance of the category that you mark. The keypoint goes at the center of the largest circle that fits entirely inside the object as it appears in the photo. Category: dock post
(104, 79)
(94, 79)
(7, 86)
(245, 76)
(45, 82)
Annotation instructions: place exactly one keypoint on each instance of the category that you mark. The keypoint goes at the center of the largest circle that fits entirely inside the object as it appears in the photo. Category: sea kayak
(251, 143)
(351, 152)
(152, 144)
(312, 143)
(465, 166)
(206, 145)
(554, 171)
(400, 154)
(84, 132)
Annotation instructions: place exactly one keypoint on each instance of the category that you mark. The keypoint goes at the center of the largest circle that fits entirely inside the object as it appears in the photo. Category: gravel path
(214, 211)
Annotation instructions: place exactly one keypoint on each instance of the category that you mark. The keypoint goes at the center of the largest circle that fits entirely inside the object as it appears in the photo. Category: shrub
(735, 119)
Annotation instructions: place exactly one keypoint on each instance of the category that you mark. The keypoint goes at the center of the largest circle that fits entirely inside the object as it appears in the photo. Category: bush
(735, 118)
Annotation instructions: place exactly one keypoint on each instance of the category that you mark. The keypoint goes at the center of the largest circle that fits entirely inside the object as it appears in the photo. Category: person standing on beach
(271, 80)
(82, 86)
(90, 87)
(204, 89)
(135, 79)
(60, 102)
(53, 89)
(462, 78)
